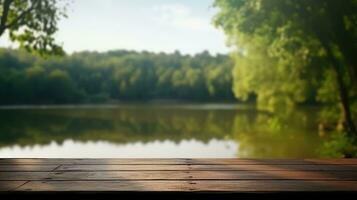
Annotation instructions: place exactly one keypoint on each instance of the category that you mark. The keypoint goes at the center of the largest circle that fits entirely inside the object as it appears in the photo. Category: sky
(152, 25)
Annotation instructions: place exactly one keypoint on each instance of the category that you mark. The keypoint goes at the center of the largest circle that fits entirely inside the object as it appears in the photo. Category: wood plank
(122, 167)
(182, 175)
(273, 175)
(35, 168)
(100, 186)
(30, 167)
(198, 186)
(237, 161)
(23, 176)
(207, 167)
(179, 161)
(109, 175)
(59, 161)
(274, 186)
(268, 167)
(10, 185)
(339, 161)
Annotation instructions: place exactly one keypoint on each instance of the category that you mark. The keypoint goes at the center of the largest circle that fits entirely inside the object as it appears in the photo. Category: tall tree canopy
(32, 23)
(287, 50)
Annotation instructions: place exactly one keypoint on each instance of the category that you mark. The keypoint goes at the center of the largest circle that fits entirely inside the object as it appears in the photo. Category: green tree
(288, 49)
(32, 23)
(91, 77)
(60, 87)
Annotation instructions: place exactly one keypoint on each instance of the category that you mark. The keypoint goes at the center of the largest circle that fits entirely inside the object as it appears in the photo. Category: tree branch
(4, 15)
(22, 15)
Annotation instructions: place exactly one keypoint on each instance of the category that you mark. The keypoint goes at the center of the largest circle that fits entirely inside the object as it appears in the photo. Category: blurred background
(178, 78)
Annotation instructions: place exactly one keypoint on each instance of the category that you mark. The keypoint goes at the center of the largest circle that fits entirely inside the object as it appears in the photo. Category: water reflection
(211, 130)
(102, 149)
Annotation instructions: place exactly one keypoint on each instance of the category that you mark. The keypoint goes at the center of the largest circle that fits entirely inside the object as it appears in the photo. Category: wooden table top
(178, 175)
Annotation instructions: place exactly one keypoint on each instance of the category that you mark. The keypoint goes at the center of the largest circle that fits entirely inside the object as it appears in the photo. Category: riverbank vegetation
(296, 51)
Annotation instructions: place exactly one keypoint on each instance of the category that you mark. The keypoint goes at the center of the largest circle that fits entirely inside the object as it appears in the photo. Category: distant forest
(92, 77)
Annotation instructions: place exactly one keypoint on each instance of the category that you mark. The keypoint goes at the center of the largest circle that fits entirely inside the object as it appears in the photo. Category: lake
(157, 131)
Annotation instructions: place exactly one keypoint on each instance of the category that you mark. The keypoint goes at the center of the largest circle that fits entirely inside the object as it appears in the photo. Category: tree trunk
(5, 12)
(343, 92)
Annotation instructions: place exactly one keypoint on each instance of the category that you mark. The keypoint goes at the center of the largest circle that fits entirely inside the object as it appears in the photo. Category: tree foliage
(91, 77)
(290, 51)
(32, 23)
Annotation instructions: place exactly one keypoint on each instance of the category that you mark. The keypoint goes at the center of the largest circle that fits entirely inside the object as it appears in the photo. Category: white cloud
(181, 17)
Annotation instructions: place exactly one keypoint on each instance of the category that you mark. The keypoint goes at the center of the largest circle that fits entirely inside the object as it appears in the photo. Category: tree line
(92, 77)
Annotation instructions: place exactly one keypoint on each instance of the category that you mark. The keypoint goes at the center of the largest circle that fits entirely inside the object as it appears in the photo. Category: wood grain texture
(275, 186)
(59, 161)
(30, 168)
(178, 175)
(182, 175)
(264, 167)
(105, 186)
(234, 161)
(178, 161)
(177, 186)
(10, 185)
